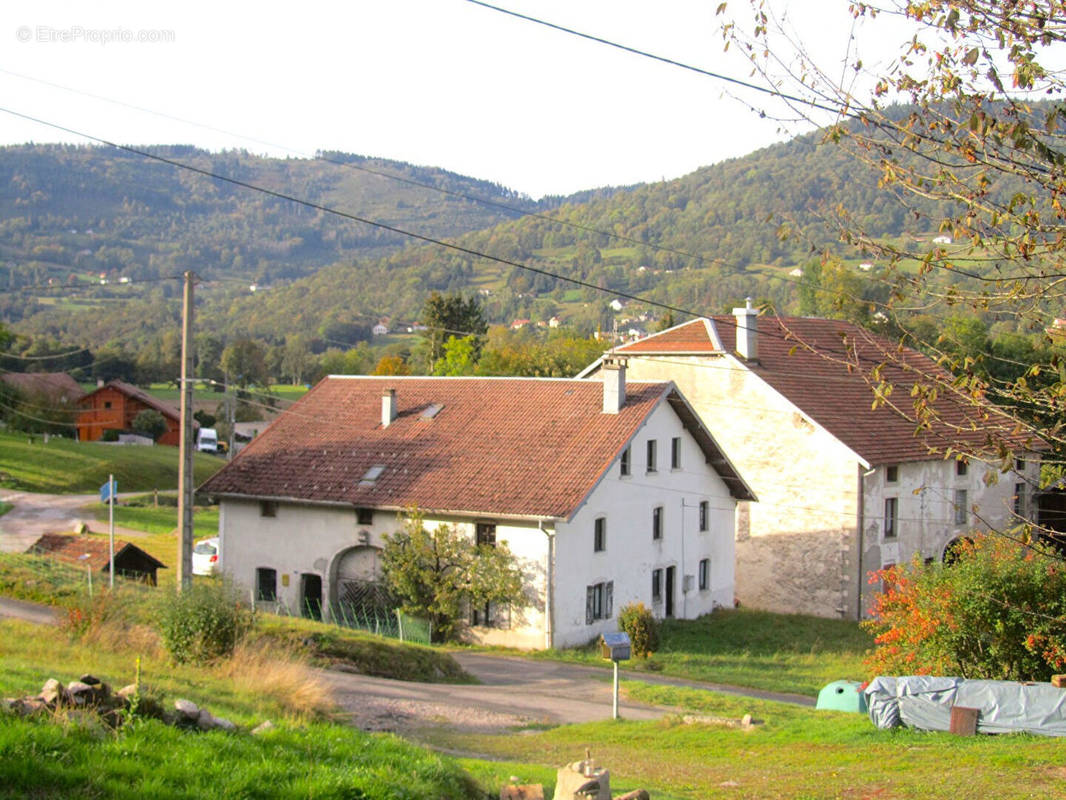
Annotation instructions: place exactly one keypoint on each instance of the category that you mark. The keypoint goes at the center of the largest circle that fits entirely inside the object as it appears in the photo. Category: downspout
(549, 587)
(861, 519)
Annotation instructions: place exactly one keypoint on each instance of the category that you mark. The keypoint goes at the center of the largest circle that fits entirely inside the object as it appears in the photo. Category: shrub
(997, 612)
(109, 435)
(204, 623)
(150, 423)
(636, 620)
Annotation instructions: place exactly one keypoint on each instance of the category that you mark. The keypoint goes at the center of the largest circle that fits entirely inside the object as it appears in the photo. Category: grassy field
(306, 756)
(776, 652)
(140, 514)
(64, 466)
(794, 753)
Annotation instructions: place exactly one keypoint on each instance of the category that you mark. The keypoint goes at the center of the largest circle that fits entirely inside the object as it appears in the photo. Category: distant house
(518, 324)
(94, 552)
(845, 488)
(942, 239)
(554, 322)
(52, 388)
(617, 304)
(606, 494)
(381, 329)
(115, 405)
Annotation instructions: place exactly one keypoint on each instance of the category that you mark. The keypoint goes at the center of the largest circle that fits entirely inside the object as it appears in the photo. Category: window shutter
(590, 604)
(608, 601)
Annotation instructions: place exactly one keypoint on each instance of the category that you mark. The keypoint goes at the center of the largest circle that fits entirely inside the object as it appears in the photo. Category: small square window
(704, 574)
(268, 508)
(623, 466)
(1019, 499)
(599, 535)
(364, 516)
(656, 585)
(705, 512)
(1019, 465)
(651, 455)
(891, 474)
(675, 453)
(657, 522)
(485, 533)
(891, 506)
(107, 404)
(961, 468)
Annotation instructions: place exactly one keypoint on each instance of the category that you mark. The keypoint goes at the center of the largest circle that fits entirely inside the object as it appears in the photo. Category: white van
(207, 440)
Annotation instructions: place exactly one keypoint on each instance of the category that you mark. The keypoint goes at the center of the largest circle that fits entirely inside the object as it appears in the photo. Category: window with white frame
(704, 574)
(599, 535)
(960, 502)
(891, 517)
(656, 585)
(652, 456)
(266, 584)
(623, 466)
(599, 597)
(705, 513)
(657, 522)
(675, 453)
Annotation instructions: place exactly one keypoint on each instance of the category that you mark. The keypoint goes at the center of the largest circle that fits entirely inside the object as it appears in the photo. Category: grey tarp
(924, 702)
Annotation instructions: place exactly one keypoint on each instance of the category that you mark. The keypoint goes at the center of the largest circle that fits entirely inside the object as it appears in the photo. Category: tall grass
(284, 677)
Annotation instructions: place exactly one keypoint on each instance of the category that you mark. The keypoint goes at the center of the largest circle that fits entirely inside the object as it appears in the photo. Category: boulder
(51, 692)
(81, 694)
(263, 727)
(225, 724)
(187, 709)
(206, 721)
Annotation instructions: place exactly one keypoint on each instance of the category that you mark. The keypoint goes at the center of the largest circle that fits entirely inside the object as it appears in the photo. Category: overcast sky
(437, 82)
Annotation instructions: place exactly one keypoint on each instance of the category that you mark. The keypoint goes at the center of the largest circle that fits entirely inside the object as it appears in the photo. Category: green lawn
(161, 519)
(794, 753)
(778, 652)
(57, 757)
(63, 466)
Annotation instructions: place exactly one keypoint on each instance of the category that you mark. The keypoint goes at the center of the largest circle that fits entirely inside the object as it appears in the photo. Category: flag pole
(111, 527)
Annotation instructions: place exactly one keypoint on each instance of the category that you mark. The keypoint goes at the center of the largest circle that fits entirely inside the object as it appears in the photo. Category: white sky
(436, 82)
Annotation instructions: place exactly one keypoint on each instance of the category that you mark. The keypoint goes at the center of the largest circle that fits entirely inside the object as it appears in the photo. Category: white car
(205, 557)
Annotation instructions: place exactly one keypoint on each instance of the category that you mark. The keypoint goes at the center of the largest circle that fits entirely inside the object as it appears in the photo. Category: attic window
(372, 474)
(432, 411)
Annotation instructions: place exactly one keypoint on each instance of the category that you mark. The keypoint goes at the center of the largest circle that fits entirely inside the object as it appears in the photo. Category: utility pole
(186, 484)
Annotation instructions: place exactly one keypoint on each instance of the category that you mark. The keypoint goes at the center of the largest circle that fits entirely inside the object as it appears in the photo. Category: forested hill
(67, 210)
(701, 242)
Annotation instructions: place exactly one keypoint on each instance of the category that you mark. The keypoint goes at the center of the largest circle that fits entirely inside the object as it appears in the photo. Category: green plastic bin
(842, 696)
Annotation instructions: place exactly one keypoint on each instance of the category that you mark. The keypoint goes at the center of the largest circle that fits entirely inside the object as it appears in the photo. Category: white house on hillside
(844, 488)
(606, 495)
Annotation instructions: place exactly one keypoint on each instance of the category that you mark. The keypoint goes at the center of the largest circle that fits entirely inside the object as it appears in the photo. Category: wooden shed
(130, 561)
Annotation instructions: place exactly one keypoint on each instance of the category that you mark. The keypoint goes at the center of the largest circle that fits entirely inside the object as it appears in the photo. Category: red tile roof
(55, 385)
(823, 367)
(505, 446)
(72, 549)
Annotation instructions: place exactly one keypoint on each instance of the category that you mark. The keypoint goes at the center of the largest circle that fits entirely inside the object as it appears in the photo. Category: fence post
(399, 623)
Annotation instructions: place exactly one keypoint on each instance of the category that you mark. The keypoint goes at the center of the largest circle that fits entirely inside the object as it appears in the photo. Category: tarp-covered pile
(925, 702)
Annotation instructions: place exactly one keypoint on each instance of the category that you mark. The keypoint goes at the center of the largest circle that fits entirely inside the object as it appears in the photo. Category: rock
(187, 708)
(225, 724)
(126, 692)
(81, 528)
(206, 720)
(81, 693)
(89, 679)
(51, 691)
(746, 720)
(28, 706)
(263, 727)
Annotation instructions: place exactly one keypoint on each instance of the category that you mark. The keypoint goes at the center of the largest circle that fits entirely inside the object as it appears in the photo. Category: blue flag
(108, 489)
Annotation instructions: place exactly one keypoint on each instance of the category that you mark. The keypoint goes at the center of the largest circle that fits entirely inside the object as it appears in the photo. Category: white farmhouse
(605, 494)
(844, 488)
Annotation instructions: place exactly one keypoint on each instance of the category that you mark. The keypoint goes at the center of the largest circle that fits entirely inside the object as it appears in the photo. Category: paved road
(35, 514)
(31, 612)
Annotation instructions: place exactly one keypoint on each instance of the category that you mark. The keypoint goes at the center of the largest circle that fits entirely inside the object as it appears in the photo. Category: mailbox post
(615, 646)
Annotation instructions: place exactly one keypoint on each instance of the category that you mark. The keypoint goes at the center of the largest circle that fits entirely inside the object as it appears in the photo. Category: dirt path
(35, 514)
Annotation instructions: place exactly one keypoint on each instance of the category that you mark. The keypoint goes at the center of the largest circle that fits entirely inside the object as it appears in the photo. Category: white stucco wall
(631, 553)
(925, 495)
(796, 547)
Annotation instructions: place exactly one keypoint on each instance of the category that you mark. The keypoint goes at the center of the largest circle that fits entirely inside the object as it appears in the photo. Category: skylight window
(372, 474)
(432, 411)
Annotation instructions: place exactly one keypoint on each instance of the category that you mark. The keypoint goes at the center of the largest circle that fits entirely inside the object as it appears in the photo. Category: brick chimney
(614, 384)
(388, 407)
(747, 331)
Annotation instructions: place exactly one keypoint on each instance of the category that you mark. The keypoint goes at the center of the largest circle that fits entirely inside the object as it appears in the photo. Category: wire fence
(391, 623)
